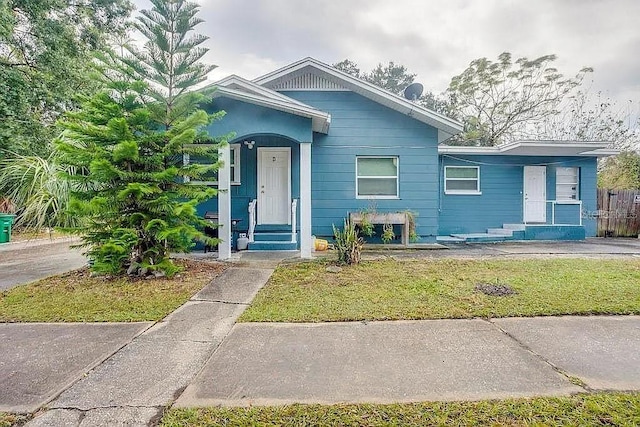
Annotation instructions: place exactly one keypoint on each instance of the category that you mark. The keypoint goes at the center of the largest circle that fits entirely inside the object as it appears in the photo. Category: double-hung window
(567, 184)
(377, 177)
(212, 178)
(462, 180)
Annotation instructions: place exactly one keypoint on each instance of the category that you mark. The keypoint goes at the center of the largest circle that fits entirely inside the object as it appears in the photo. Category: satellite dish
(413, 91)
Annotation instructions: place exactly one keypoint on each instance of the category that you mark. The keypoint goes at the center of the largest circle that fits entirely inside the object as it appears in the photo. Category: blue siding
(245, 120)
(501, 184)
(362, 127)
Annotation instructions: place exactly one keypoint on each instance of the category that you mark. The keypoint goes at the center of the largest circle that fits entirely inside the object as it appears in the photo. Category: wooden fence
(618, 213)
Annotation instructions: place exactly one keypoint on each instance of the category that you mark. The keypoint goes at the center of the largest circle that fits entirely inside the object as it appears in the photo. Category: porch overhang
(536, 148)
(239, 89)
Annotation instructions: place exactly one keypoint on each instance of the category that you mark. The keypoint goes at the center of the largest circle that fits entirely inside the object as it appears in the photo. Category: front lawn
(435, 289)
(77, 297)
(616, 409)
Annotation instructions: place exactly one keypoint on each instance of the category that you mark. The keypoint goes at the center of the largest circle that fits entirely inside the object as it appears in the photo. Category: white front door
(274, 185)
(535, 194)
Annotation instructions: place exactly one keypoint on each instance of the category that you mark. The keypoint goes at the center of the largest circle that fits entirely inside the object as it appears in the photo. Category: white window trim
(397, 178)
(477, 192)
(235, 179)
(576, 183)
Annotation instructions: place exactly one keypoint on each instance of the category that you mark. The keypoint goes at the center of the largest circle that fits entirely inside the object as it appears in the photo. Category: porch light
(250, 144)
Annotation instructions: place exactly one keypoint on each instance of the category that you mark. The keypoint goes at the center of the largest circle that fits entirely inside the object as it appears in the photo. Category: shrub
(348, 243)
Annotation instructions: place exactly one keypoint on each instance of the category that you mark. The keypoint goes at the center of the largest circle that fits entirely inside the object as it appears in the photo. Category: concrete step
(500, 231)
(272, 237)
(272, 245)
(519, 227)
(482, 237)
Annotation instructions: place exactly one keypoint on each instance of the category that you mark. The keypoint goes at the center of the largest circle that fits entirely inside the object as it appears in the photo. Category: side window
(377, 177)
(462, 180)
(234, 166)
(567, 184)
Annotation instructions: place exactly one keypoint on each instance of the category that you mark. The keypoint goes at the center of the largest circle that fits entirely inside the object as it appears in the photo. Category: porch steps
(481, 237)
(507, 232)
(272, 241)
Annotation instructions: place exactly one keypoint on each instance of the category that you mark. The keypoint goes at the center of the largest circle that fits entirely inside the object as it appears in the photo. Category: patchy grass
(619, 409)
(23, 236)
(13, 420)
(435, 289)
(76, 297)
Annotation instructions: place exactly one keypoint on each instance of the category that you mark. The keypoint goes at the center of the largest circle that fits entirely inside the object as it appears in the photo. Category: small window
(234, 166)
(567, 184)
(462, 180)
(377, 177)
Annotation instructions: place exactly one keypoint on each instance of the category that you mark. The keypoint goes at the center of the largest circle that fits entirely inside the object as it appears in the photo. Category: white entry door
(274, 185)
(535, 194)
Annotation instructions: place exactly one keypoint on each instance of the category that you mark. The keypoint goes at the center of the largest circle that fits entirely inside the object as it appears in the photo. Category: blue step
(272, 246)
(272, 237)
(482, 237)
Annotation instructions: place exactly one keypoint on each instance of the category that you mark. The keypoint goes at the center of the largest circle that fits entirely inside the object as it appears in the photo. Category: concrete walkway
(133, 386)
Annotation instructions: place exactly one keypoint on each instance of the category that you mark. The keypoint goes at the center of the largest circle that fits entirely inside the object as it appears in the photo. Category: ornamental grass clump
(348, 243)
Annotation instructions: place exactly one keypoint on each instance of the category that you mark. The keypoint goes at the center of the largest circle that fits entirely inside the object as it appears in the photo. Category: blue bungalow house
(314, 145)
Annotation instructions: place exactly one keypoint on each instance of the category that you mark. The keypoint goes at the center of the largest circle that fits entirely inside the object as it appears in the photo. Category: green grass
(76, 297)
(619, 409)
(10, 420)
(427, 289)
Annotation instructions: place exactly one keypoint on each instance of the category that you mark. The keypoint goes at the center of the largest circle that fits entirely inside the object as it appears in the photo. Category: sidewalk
(135, 385)
(413, 361)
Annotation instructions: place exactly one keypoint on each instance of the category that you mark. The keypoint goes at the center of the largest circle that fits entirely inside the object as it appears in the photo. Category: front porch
(264, 187)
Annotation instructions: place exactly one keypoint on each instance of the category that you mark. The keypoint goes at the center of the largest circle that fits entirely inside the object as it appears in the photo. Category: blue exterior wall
(245, 120)
(501, 201)
(360, 126)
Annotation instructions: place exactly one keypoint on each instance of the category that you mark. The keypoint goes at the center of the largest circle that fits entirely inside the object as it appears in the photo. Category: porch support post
(224, 203)
(305, 200)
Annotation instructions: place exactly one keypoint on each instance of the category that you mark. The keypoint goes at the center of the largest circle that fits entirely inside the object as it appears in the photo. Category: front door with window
(274, 185)
(535, 194)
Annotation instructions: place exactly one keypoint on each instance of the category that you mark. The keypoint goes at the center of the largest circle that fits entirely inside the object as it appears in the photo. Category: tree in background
(394, 78)
(499, 101)
(46, 48)
(131, 139)
(621, 172)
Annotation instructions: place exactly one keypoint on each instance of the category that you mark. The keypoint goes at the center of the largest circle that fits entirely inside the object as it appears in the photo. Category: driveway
(24, 262)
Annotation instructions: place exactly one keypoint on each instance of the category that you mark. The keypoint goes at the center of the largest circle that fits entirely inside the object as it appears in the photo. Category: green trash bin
(6, 221)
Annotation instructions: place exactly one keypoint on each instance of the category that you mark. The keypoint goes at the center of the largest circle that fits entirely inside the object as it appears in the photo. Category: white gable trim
(238, 83)
(447, 126)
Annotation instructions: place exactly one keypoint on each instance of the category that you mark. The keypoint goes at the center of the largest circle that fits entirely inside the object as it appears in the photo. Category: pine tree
(130, 140)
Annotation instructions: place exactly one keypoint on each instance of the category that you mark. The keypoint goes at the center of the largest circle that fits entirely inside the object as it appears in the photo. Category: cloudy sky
(436, 39)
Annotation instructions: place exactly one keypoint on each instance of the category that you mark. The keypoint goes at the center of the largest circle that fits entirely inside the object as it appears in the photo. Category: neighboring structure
(313, 144)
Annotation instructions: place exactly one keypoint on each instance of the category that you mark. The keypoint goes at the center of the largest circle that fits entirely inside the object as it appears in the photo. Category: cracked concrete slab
(112, 417)
(40, 360)
(235, 285)
(377, 362)
(603, 351)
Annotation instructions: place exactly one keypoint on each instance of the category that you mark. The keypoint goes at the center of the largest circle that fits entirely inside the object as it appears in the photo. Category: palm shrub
(348, 243)
(34, 187)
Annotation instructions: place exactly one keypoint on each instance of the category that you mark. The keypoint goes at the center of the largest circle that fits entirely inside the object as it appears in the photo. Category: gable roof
(536, 148)
(240, 89)
(343, 81)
